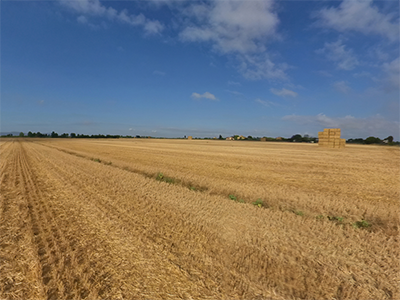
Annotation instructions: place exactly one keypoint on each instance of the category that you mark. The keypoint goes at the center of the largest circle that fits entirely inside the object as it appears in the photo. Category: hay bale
(330, 138)
(190, 137)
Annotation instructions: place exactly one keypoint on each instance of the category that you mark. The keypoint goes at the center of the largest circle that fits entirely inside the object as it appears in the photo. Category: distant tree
(30, 134)
(73, 135)
(249, 137)
(21, 134)
(389, 139)
(220, 137)
(356, 141)
(54, 134)
(372, 140)
(306, 138)
(64, 135)
(296, 138)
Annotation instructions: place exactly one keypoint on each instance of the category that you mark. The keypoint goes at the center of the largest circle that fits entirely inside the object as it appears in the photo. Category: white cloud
(238, 28)
(324, 73)
(153, 27)
(206, 95)
(342, 87)
(362, 74)
(166, 2)
(391, 81)
(232, 26)
(234, 83)
(351, 126)
(91, 7)
(159, 73)
(82, 19)
(283, 92)
(336, 51)
(260, 66)
(361, 16)
(266, 103)
(236, 93)
(96, 8)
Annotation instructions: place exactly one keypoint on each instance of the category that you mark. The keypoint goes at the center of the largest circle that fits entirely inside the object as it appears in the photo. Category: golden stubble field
(171, 219)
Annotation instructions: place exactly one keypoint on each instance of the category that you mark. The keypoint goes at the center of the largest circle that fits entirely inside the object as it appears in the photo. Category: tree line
(297, 138)
(373, 140)
(66, 135)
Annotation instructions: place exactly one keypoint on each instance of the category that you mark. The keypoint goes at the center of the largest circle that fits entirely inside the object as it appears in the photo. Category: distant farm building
(230, 138)
(330, 138)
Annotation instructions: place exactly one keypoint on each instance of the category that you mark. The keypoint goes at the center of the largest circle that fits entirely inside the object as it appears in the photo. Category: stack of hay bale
(190, 137)
(330, 138)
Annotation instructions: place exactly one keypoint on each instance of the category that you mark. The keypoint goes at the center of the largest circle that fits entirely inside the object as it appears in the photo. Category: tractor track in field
(61, 260)
(18, 259)
(81, 182)
(62, 264)
(52, 244)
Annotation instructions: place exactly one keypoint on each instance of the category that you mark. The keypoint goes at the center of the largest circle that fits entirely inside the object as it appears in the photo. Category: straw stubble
(73, 227)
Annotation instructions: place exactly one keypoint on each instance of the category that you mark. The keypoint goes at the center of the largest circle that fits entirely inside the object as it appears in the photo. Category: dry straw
(330, 138)
(74, 228)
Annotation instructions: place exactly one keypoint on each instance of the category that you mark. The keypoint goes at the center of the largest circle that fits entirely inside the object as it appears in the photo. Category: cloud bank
(94, 8)
(206, 95)
(240, 29)
(360, 16)
(283, 92)
(337, 52)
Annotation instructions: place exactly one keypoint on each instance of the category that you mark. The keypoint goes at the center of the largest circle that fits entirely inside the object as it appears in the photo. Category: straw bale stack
(190, 137)
(263, 139)
(330, 138)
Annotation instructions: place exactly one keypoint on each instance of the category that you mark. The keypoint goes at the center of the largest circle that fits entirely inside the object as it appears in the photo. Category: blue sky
(201, 68)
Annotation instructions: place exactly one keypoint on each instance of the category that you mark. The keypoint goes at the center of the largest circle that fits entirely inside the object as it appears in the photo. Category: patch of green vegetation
(162, 177)
(192, 188)
(319, 217)
(96, 160)
(299, 212)
(108, 163)
(361, 224)
(258, 203)
(333, 218)
(232, 197)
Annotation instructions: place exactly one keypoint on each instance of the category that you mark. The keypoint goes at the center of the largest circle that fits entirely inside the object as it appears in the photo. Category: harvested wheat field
(175, 219)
